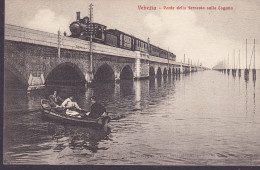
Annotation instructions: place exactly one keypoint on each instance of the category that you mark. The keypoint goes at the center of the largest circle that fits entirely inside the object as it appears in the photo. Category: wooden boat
(60, 116)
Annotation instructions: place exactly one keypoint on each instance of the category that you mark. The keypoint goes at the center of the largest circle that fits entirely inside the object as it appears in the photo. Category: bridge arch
(169, 71)
(104, 73)
(165, 71)
(126, 73)
(173, 71)
(67, 74)
(159, 72)
(151, 72)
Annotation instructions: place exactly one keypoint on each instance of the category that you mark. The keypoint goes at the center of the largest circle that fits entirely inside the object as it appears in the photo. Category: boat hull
(51, 114)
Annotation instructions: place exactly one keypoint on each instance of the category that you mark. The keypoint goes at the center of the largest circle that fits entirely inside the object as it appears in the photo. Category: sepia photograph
(131, 82)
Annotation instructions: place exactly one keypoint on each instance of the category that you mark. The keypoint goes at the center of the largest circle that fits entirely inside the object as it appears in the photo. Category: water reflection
(138, 91)
(159, 81)
(249, 89)
(180, 118)
(77, 138)
(151, 83)
(254, 82)
(104, 89)
(126, 87)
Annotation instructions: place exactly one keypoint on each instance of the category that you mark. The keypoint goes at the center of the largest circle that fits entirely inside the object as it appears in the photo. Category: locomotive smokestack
(78, 16)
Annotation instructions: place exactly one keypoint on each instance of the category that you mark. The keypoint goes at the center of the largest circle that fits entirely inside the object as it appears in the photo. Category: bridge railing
(17, 33)
(21, 34)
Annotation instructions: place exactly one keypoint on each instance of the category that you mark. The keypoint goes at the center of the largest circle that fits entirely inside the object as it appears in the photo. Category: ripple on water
(205, 118)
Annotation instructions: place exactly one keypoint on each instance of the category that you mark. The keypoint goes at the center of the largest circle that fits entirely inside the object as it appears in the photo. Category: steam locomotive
(82, 29)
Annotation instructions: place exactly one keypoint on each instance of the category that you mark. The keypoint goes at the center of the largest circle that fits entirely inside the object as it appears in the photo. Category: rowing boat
(60, 116)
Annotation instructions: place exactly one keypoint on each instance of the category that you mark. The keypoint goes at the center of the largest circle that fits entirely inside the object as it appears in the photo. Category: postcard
(131, 82)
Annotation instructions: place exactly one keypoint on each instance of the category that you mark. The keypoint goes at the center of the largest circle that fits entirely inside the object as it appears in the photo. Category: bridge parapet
(37, 51)
(27, 35)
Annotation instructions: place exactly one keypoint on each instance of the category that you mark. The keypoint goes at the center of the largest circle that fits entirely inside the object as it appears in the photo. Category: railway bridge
(33, 59)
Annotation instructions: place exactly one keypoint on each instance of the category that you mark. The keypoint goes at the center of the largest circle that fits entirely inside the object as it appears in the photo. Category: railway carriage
(111, 38)
(120, 39)
(171, 56)
(163, 54)
(154, 51)
(82, 29)
(140, 45)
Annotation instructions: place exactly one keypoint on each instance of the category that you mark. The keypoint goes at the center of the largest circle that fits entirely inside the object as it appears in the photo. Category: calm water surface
(203, 118)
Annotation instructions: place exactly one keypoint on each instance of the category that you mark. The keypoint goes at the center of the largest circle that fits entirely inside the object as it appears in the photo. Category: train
(82, 29)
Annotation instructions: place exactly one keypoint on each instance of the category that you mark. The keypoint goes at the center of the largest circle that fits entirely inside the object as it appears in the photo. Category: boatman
(55, 99)
(71, 107)
(96, 109)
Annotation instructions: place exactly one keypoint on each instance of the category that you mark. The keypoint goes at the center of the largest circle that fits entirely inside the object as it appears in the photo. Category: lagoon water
(202, 118)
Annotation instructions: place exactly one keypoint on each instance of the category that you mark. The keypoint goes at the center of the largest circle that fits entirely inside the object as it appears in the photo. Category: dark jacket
(54, 101)
(96, 110)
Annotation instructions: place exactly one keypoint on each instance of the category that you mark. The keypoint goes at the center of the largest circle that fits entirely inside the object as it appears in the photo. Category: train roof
(118, 31)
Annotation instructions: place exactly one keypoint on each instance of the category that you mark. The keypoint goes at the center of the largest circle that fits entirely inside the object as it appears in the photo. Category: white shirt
(70, 104)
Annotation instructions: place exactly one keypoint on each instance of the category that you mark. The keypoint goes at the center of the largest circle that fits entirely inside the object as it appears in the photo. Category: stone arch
(67, 74)
(151, 72)
(169, 71)
(173, 71)
(159, 72)
(126, 73)
(186, 70)
(104, 73)
(165, 71)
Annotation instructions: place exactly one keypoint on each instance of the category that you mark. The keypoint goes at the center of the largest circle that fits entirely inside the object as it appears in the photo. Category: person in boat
(55, 100)
(72, 107)
(96, 109)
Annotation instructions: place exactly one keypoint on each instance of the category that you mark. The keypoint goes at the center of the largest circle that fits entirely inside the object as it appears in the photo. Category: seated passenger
(71, 107)
(55, 100)
(96, 109)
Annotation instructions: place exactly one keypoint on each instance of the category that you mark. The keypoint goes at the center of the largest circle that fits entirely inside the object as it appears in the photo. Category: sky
(204, 36)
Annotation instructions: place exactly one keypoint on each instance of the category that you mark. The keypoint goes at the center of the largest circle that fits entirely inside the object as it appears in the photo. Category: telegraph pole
(246, 70)
(239, 70)
(90, 42)
(168, 59)
(59, 42)
(228, 70)
(254, 70)
(190, 65)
